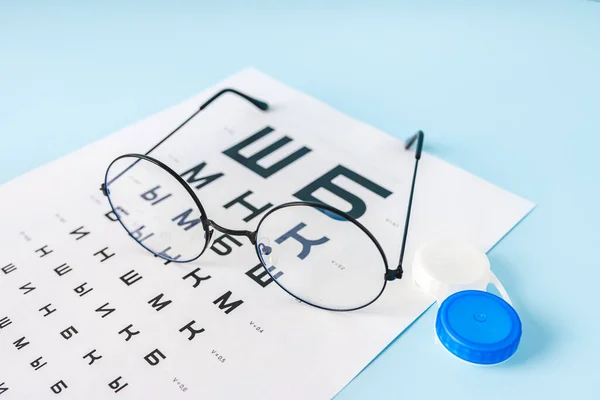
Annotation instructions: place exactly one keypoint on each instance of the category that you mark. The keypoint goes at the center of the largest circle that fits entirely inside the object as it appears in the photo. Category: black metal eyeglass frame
(210, 225)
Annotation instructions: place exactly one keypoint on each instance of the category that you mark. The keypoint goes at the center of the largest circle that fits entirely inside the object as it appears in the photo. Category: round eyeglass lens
(155, 208)
(321, 258)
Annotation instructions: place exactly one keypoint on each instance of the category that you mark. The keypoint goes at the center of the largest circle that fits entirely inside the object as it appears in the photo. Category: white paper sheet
(271, 346)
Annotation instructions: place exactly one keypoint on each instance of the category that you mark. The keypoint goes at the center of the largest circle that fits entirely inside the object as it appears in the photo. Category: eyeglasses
(316, 253)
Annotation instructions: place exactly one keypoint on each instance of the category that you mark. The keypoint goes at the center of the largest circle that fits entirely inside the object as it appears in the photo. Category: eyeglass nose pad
(265, 250)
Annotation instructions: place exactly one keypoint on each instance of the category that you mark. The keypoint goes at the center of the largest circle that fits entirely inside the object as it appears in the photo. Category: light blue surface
(508, 91)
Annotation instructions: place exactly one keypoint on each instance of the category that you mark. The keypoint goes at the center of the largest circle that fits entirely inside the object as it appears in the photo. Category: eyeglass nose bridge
(233, 232)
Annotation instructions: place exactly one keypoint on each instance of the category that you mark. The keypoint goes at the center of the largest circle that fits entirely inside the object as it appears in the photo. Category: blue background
(509, 91)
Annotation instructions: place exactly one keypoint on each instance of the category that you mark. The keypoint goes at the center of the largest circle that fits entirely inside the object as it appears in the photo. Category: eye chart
(86, 312)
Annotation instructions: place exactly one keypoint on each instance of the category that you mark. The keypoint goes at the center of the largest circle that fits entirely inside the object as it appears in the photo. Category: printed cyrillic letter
(8, 268)
(183, 220)
(252, 162)
(260, 278)
(19, 343)
(69, 332)
(127, 330)
(222, 303)
(62, 269)
(36, 364)
(47, 309)
(193, 332)
(139, 236)
(151, 195)
(131, 277)
(205, 180)
(255, 212)
(58, 387)
(152, 357)
(159, 306)
(80, 290)
(105, 255)
(4, 322)
(44, 251)
(357, 206)
(116, 386)
(196, 277)
(80, 234)
(92, 357)
(27, 288)
(114, 216)
(306, 243)
(165, 253)
(226, 248)
(106, 311)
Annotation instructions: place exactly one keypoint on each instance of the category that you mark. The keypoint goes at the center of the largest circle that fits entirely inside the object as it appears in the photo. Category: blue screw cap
(478, 327)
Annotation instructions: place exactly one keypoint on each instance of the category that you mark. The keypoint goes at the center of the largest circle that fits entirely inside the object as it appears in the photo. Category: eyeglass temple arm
(257, 103)
(418, 138)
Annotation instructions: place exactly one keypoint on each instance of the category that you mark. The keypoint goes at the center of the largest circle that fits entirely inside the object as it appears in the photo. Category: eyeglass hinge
(393, 274)
(104, 190)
